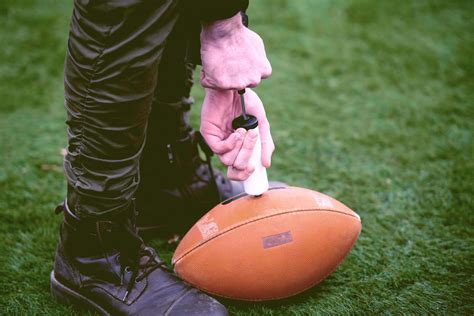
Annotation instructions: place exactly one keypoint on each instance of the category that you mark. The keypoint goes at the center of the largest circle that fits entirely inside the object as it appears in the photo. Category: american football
(267, 247)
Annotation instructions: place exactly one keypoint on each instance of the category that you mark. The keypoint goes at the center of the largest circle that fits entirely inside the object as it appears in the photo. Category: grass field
(370, 102)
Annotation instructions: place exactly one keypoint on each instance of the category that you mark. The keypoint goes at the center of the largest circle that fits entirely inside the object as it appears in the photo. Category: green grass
(370, 102)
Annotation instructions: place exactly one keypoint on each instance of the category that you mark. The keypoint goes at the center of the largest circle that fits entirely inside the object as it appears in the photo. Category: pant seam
(86, 99)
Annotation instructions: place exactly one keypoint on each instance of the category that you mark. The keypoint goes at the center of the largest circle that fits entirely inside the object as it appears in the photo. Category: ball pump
(257, 183)
(266, 245)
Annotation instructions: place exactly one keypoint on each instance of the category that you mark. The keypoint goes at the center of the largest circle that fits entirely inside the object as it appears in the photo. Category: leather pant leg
(111, 71)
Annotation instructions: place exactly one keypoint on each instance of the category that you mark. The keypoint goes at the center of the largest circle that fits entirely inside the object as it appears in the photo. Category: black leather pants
(123, 56)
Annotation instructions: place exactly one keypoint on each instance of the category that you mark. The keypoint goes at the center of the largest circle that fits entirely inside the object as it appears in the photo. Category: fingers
(235, 62)
(237, 72)
(255, 107)
(239, 175)
(208, 81)
(250, 79)
(267, 151)
(229, 157)
(266, 71)
(243, 158)
(241, 169)
(267, 143)
(235, 148)
(223, 146)
(266, 67)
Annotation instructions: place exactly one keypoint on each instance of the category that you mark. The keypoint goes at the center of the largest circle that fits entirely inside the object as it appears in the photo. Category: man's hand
(233, 57)
(234, 148)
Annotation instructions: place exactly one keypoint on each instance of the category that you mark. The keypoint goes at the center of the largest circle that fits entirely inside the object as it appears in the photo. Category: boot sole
(68, 296)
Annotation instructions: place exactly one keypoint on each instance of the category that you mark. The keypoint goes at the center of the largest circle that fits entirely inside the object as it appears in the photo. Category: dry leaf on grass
(51, 168)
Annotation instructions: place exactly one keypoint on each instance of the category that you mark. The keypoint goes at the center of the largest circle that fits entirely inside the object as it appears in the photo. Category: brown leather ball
(268, 247)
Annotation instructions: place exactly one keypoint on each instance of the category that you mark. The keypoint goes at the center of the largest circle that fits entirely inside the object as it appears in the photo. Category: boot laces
(136, 258)
(147, 262)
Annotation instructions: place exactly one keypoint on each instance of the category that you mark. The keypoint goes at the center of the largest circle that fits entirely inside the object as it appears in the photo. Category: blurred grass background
(370, 102)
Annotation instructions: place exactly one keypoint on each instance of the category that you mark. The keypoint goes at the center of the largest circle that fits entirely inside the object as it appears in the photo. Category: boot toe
(196, 303)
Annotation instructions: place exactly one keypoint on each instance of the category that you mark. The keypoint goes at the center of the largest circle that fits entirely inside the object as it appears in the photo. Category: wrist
(221, 28)
(219, 97)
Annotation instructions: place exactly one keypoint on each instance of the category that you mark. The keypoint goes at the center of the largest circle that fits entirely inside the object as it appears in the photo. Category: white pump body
(257, 183)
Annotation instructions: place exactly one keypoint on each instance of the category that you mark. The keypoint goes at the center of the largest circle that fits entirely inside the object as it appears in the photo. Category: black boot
(178, 184)
(104, 266)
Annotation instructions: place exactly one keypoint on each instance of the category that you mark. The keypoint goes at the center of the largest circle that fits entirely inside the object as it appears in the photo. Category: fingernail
(267, 164)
